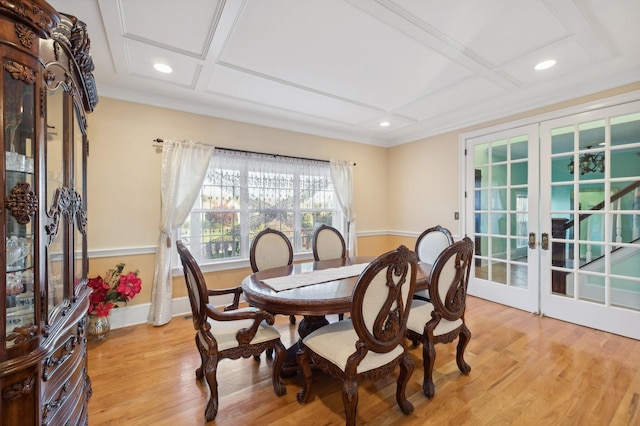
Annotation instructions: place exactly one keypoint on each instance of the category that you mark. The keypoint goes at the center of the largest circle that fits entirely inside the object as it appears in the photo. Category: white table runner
(314, 277)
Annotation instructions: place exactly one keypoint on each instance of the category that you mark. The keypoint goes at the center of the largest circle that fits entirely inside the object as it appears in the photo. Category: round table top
(332, 297)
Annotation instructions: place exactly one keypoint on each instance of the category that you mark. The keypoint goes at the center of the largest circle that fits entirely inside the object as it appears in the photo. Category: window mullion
(244, 211)
(297, 215)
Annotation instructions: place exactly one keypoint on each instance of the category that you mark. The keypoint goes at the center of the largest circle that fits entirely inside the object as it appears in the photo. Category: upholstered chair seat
(421, 310)
(233, 333)
(335, 343)
(370, 345)
(442, 319)
(225, 332)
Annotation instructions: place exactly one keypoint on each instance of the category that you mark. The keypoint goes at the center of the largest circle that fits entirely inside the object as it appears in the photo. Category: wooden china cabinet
(47, 88)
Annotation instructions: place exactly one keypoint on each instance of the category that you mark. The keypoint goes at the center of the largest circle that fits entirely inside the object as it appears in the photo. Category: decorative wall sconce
(588, 163)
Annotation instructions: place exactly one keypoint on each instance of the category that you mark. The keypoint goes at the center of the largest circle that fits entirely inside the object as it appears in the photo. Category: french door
(554, 209)
(502, 210)
(591, 209)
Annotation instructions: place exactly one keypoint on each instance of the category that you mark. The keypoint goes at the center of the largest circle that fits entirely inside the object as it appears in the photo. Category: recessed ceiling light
(166, 69)
(545, 64)
(384, 124)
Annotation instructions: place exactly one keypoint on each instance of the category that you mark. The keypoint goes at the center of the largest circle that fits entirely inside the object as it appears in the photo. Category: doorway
(503, 177)
(554, 210)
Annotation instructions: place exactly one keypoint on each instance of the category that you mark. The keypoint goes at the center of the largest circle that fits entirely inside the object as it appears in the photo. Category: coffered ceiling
(338, 68)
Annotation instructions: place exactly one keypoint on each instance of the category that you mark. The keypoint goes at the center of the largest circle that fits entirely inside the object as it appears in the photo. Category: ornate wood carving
(451, 309)
(22, 203)
(54, 404)
(52, 362)
(382, 335)
(43, 102)
(44, 378)
(40, 15)
(82, 324)
(25, 35)
(16, 390)
(22, 334)
(206, 342)
(67, 202)
(49, 77)
(73, 33)
(21, 72)
(87, 384)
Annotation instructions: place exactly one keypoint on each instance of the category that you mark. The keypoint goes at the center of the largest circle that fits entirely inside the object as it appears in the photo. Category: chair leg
(429, 358)
(281, 352)
(350, 399)
(292, 319)
(211, 367)
(203, 359)
(463, 341)
(340, 317)
(303, 361)
(406, 370)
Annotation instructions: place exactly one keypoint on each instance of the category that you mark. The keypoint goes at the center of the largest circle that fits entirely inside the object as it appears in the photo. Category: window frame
(300, 253)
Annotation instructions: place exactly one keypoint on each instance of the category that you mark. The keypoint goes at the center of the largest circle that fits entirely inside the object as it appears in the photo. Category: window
(522, 219)
(244, 193)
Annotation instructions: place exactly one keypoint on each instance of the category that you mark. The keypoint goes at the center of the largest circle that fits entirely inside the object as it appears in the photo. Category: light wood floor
(525, 370)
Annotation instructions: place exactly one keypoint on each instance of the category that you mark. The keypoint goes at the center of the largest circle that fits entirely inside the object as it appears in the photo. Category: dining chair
(369, 345)
(442, 319)
(428, 246)
(232, 333)
(328, 243)
(270, 249)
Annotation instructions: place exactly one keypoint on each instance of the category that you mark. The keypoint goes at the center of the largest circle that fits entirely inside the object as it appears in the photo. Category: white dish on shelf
(19, 318)
(25, 300)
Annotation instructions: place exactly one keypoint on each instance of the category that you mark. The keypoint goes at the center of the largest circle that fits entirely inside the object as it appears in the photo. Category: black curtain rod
(158, 140)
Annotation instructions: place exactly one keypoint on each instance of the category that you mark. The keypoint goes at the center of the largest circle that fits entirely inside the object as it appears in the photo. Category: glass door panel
(79, 240)
(54, 183)
(19, 146)
(592, 167)
(502, 215)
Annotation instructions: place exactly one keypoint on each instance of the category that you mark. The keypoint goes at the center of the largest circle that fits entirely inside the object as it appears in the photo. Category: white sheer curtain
(184, 164)
(276, 190)
(342, 178)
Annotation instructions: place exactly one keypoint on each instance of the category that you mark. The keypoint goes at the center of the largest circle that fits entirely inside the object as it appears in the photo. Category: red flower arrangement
(114, 288)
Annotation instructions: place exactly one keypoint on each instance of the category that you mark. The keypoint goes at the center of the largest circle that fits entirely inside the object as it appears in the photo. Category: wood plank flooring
(525, 370)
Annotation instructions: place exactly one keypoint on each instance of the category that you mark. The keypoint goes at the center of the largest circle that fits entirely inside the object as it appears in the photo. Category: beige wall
(402, 190)
(424, 178)
(425, 175)
(124, 178)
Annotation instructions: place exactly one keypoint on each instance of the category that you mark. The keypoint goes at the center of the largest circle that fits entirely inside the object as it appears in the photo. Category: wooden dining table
(313, 301)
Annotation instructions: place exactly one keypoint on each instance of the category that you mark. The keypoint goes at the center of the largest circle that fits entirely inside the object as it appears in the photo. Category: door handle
(545, 241)
(532, 240)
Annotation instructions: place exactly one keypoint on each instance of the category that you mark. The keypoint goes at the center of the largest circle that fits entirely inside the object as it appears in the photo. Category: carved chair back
(381, 300)
(449, 280)
(196, 287)
(328, 243)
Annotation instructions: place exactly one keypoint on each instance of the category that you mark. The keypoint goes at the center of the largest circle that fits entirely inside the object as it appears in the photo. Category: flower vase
(98, 327)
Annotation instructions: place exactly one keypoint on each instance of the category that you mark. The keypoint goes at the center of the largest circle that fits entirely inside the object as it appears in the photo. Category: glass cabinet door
(54, 183)
(20, 200)
(80, 264)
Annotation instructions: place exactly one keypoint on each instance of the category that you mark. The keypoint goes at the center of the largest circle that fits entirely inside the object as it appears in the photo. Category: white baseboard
(124, 316)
